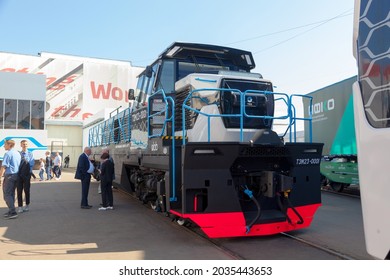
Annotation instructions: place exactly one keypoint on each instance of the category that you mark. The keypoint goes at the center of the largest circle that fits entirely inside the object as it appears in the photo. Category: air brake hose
(283, 208)
(249, 193)
(293, 208)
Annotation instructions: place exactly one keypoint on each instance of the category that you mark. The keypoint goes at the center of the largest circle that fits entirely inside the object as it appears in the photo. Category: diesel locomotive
(197, 143)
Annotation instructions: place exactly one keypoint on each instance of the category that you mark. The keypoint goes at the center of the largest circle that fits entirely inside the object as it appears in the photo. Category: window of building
(10, 113)
(22, 114)
(37, 115)
(1, 113)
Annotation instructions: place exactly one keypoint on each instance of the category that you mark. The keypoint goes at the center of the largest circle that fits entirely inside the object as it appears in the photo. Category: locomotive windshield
(186, 67)
(257, 103)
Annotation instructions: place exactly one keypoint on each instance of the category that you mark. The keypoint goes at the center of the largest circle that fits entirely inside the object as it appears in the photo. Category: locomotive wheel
(324, 181)
(337, 187)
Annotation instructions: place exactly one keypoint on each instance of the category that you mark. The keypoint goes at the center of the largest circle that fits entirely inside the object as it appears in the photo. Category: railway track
(322, 241)
(352, 191)
(317, 251)
(339, 255)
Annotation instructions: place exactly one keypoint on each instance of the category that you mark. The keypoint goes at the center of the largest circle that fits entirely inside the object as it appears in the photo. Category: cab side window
(166, 79)
(138, 91)
(145, 87)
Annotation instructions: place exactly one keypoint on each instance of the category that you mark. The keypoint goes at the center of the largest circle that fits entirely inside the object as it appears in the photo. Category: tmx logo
(321, 107)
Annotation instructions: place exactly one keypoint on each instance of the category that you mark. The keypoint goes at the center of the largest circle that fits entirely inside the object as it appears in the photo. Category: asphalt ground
(56, 228)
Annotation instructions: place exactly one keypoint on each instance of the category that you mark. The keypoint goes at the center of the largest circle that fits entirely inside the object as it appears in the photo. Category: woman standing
(107, 176)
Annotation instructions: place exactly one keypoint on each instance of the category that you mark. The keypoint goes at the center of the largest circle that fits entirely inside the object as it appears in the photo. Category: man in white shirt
(57, 166)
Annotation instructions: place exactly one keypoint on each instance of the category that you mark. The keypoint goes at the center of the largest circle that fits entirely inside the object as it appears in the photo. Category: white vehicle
(36, 141)
(372, 120)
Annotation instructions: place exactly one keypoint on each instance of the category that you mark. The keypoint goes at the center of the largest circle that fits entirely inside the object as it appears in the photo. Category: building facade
(75, 88)
(22, 111)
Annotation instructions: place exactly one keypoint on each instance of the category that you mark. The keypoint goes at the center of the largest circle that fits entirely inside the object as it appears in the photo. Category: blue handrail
(158, 113)
(104, 132)
(290, 112)
(184, 107)
(294, 118)
(171, 119)
(286, 100)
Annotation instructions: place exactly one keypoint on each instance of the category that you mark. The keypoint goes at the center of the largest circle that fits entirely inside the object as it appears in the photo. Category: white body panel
(218, 131)
(373, 154)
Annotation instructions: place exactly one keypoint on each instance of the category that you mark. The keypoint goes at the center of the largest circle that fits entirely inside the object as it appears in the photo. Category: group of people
(52, 166)
(84, 170)
(17, 169)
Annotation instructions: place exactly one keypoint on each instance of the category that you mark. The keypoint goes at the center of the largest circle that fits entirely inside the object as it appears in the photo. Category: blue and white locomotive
(198, 144)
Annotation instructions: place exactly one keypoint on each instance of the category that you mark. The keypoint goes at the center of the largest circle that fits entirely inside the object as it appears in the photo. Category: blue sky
(300, 45)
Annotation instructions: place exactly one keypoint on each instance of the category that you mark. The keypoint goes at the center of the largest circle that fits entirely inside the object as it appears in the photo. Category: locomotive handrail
(290, 115)
(288, 104)
(284, 97)
(104, 133)
(171, 119)
(162, 112)
(184, 106)
(266, 93)
(295, 118)
(121, 129)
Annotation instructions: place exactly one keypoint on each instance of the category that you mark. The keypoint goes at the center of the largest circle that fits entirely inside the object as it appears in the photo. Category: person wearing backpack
(9, 168)
(25, 170)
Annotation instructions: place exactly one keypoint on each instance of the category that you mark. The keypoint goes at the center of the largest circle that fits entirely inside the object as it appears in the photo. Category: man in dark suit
(83, 173)
(107, 175)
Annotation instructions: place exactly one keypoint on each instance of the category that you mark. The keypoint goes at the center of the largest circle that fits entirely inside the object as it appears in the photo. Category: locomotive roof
(241, 58)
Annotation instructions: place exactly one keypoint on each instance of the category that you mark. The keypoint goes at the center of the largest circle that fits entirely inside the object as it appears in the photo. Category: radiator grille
(189, 115)
(265, 151)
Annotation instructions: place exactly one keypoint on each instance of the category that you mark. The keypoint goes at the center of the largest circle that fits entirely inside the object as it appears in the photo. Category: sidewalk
(56, 228)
